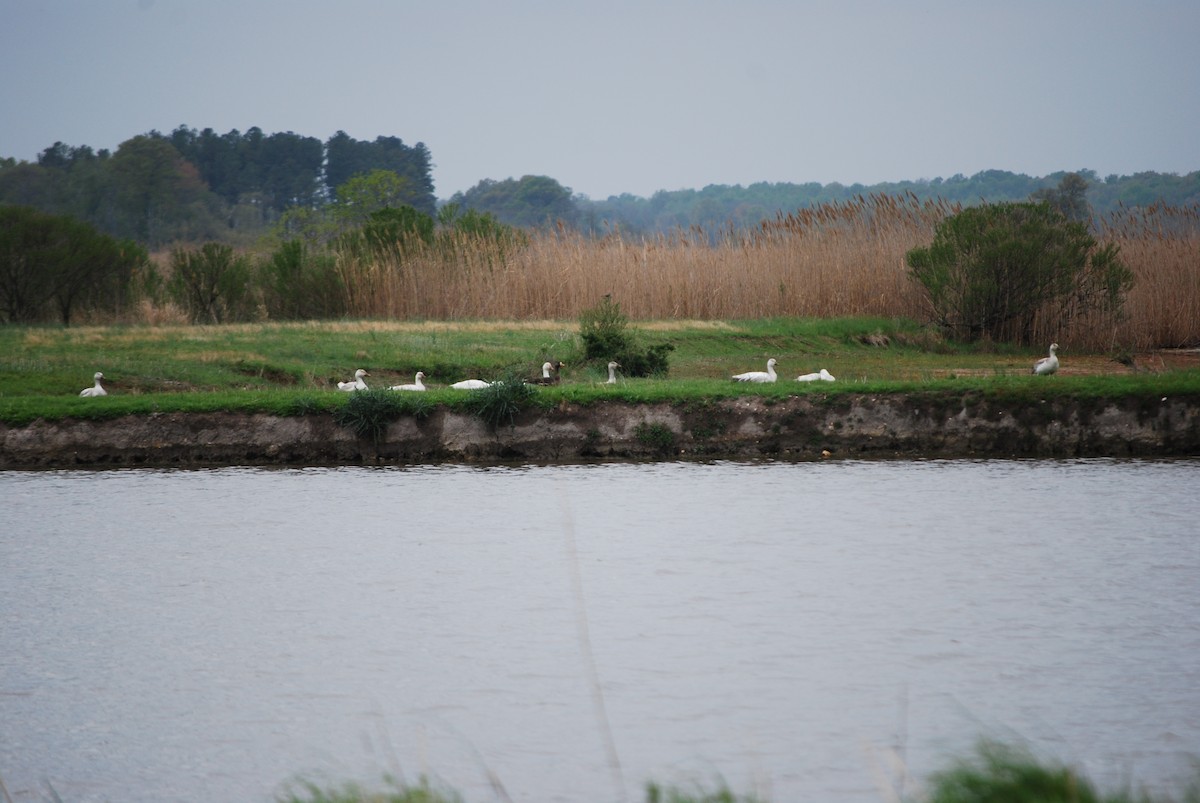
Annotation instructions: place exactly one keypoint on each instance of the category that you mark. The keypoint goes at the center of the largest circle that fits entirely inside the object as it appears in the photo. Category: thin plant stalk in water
(585, 647)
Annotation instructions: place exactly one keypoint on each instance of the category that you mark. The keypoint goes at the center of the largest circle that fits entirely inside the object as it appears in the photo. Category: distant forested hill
(197, 185)
(718, 206)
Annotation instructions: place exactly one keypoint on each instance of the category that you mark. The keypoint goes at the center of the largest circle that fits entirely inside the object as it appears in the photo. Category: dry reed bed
(843, 259)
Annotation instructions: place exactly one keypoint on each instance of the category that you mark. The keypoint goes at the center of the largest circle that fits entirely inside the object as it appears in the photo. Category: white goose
(550, 374)
(416, 385)
(356, 384)
(612, 373)
(1047, 365)
(95, 390)
(759, 376)
(822, 375)
(471, 384)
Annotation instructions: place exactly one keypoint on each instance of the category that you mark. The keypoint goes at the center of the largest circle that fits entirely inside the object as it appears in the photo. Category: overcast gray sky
(608, 96)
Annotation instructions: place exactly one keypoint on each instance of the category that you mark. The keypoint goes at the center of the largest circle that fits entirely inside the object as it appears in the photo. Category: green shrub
(657, 436)
(392, 229)
(992, 269)
(606, 335)
(500, 402)
(54, 264)
(1004, 774)
(652, 361)
(299, 283)
(210, 283)
(604, 331)
(367, 413)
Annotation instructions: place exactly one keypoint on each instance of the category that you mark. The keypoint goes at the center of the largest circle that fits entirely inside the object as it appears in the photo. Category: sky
(632, 97)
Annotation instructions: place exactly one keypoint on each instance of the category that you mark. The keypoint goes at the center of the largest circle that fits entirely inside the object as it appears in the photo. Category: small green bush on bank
(367, 413)
(606, 336)
(500, 402)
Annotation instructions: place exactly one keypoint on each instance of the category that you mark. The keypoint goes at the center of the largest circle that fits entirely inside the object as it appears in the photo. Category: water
(802, 631)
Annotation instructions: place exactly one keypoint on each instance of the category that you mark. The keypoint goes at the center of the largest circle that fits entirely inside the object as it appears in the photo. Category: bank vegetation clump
(367, 413)
(501, 401)
(607, 336)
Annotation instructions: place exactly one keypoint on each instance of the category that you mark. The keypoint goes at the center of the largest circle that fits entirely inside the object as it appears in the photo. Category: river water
(830, 631)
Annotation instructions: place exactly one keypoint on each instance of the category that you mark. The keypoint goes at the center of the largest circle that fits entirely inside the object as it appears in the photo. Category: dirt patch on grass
(1151, 362)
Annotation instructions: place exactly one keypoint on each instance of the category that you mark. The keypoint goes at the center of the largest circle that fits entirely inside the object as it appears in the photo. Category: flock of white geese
(1043, 367)
(549, 376)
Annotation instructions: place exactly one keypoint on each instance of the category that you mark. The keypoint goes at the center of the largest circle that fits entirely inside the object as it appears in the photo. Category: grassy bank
(291, 368)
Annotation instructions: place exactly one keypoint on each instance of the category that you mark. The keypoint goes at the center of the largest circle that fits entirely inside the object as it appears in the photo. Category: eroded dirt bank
(933, 425)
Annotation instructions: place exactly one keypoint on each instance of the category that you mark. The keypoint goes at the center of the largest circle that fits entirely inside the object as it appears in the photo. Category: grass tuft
(423, 792)
(502, 401)
(1000, 773)
(368, 413)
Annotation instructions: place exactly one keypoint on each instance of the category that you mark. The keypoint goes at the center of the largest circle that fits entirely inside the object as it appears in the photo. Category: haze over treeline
(198, 185)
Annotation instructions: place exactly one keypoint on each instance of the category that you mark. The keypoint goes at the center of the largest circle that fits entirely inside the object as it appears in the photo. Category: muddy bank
(805, 427)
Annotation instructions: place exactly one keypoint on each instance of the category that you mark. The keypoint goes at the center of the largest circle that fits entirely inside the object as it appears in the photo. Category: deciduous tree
(52, 264)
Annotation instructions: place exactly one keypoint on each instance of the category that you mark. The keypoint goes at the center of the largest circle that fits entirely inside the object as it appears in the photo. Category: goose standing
(1047, 365)
(759, 376)
(821, 375)
(471, 384)
(357, 384)
(612, 373)
(416, 385)
(95, 390)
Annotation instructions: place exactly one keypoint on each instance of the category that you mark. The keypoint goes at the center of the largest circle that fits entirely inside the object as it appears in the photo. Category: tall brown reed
(1161, 245)
(839, 259)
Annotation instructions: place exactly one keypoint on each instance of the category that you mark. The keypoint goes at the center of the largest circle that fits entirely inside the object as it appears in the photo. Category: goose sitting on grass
(471, 384)
(612, 373)
(768, 375)
(549, 373)
(416, 385)
(356, 384)
(821, 375)
(95, 390)
(1047, 365)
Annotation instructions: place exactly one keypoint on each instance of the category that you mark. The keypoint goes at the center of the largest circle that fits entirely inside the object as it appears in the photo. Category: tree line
(198, 185)
(724, 207)
(55, 267)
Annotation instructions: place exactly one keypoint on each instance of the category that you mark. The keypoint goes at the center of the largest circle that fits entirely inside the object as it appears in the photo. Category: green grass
(421, 792)
(1000, 773)
(291, 368)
